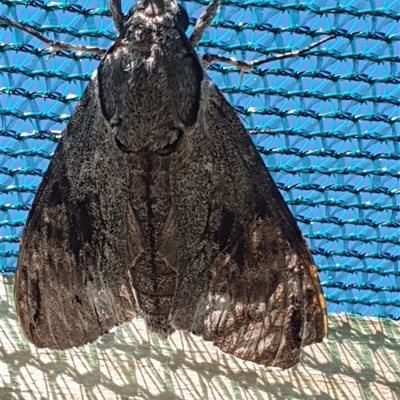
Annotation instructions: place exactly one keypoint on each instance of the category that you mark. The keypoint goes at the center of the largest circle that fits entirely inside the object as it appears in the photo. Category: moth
(157, 202)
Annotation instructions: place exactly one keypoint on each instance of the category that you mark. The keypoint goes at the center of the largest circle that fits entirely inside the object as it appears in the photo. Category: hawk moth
(156, 201)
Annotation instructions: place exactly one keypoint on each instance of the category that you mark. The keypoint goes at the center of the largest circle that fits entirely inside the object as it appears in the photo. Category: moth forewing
(157, 200)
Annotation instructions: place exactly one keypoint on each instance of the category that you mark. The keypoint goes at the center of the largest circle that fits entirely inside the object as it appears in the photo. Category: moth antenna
(295, 53)
(247, 66)
(54, 45)
(204, 21)
(261, 132)
(117, 15)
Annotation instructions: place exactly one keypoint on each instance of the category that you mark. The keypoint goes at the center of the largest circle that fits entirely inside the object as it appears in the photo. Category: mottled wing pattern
(265, 301)
(157, 200)
(72, 284)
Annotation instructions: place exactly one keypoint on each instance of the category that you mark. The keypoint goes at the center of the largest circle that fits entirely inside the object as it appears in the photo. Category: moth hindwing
(156, 200)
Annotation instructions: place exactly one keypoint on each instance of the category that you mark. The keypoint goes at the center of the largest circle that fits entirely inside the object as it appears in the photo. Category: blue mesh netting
(327, 124)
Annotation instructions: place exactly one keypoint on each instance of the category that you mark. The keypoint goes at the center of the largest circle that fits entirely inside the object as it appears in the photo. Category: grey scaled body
(156, 200)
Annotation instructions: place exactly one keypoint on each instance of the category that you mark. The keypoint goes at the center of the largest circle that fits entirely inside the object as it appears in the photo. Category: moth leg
(54, 45)
(204, 21)
(116, 13)
(246, 66)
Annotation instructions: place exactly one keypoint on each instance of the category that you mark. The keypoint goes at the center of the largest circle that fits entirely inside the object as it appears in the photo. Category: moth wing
(71, 283)
(265, 300)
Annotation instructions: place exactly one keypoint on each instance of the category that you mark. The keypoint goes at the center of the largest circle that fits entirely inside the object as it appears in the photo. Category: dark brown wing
(265, 301)
(72, 284)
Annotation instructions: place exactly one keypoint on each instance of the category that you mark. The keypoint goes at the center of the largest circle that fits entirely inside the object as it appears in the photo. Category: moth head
(162, 12)
(152, 20)
(157, 10)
